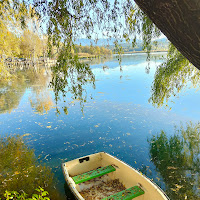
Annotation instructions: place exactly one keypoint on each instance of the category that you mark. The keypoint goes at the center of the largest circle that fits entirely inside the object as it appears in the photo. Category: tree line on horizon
(32, 45)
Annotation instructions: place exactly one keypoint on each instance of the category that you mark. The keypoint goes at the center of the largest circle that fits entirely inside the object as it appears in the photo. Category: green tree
(31, 45)
(9, 43)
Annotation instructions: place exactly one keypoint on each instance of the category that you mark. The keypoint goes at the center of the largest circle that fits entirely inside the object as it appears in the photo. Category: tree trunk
(179, 20)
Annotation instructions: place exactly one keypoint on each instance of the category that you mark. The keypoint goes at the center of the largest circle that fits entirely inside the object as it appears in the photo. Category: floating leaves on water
(171, 167)
(97, 125)
(38, 123)
(67, 143)
(158, 178)
(48, 126)
(173, 189)
(178, 187)
(83, 145)
(46, 156)
(26, 134)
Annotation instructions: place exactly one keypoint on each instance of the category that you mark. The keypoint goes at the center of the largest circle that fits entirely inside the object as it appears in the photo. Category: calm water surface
(118, 119)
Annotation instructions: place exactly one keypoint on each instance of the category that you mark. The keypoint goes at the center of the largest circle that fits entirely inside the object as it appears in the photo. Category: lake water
(117, 119)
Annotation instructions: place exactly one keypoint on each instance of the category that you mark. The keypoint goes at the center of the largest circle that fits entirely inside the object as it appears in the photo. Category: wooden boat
(102, 176)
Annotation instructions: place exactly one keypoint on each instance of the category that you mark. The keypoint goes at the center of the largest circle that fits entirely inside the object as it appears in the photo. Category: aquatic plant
(41, 195)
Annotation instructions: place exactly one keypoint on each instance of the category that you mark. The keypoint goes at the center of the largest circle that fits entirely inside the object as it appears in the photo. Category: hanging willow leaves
(172, 77)
(65, 21)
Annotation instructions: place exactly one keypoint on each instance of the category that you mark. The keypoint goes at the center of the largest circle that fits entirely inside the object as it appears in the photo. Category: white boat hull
(127, 175)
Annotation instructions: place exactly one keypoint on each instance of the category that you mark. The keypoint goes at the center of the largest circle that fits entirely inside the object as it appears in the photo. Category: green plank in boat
(93, 174)
(127, 194)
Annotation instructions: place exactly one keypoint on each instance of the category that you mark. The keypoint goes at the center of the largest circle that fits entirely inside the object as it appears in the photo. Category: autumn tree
(9, 42)
(31, 46)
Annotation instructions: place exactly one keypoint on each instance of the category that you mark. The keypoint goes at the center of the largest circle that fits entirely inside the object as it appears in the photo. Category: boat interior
(101, 176)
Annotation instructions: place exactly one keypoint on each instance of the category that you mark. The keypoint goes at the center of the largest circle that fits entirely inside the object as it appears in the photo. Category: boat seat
(93, 174)
(127, 194)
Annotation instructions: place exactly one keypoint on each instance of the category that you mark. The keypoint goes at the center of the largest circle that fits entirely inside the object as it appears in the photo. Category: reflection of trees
(41, 101)
(40, 98)
(12, 91)
(71, 75)
(20, 169)
(9, 100)
(97, 60)
(178, 162)
(172, 77)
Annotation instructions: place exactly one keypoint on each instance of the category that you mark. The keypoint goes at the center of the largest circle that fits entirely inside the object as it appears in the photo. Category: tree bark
(179, 21)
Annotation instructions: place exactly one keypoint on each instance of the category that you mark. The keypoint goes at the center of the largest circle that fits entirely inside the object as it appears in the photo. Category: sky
(98, 33)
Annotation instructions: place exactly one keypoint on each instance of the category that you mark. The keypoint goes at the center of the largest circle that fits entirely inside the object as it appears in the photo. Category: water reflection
(41, 102)
(177, 160)
(11, 93)
(118, 119)
(13, 90)
(97, 60)
(71, 76)
(20, 170)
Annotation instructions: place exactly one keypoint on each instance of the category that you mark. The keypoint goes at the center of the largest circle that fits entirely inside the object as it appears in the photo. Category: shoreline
(125, 53)
(153, 51)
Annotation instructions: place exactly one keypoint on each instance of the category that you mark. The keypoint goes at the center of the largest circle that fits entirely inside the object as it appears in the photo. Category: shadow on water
(177, 161)
(68, 193)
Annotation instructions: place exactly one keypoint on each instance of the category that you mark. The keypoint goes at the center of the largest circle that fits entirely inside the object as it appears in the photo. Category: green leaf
(44, 193)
